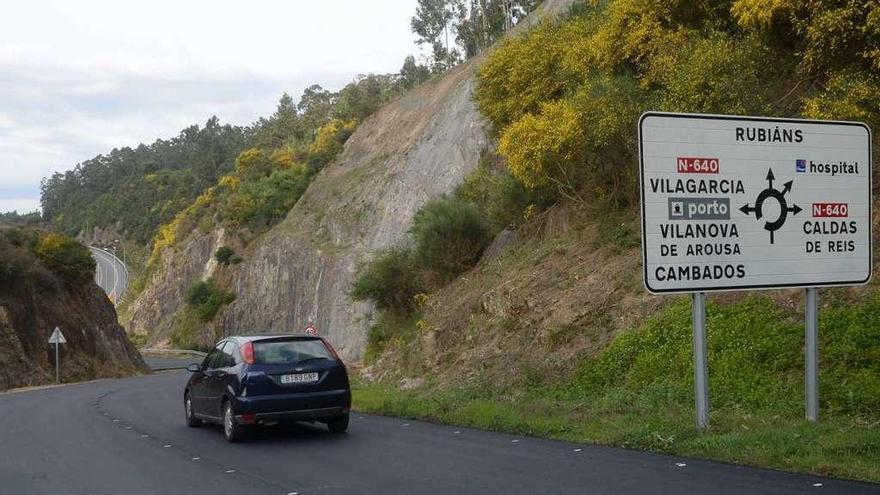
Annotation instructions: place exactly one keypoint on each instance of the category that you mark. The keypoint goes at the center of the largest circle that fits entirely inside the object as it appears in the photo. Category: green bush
(390, 280)
(449, 236)
(206, 298)
(262, 202)
(138, 339)
(501, 199)
(66, 257)
(225, 255)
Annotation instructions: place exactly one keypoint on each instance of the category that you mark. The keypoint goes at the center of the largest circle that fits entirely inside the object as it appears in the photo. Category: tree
(483, 22)
(315, 107)
(432, 25)
(412, 73)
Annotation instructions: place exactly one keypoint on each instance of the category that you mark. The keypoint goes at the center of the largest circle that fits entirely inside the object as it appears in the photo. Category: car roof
(268, 336)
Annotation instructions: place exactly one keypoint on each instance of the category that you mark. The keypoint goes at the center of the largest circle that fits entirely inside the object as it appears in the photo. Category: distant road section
(110, 273)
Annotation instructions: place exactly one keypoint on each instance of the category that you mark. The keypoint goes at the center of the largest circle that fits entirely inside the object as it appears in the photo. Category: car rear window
(289, 351)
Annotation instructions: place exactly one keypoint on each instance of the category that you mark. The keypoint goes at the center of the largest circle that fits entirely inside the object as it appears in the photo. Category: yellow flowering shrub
(541, 149)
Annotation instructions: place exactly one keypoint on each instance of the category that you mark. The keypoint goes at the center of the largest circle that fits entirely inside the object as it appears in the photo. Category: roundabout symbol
(779, 196)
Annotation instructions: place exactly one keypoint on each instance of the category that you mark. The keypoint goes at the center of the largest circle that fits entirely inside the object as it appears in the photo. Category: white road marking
(196, 458)
(456, 432)
(166, 446)
(681, 464)
(817, 484)
(578, 450)
(515, 441)
(230, 471)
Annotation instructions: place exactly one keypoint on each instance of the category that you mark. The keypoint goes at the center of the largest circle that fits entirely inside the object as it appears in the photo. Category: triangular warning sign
(57, 337)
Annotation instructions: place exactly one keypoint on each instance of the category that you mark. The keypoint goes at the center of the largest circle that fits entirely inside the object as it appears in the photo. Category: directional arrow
(749, 210)
(770, 177)
(794, 209)
(787, 187)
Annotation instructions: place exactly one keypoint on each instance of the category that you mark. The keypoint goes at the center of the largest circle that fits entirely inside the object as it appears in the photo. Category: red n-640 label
(830, 210)
(696, 165)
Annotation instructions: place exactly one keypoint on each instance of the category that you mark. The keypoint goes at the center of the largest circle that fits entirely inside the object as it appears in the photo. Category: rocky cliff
(418, 147)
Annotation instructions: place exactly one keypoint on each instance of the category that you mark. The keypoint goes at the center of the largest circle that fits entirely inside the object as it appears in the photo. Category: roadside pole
(701, 368)
(811, 361)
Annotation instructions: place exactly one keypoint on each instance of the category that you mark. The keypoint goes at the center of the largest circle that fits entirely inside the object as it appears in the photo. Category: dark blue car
(250, 380)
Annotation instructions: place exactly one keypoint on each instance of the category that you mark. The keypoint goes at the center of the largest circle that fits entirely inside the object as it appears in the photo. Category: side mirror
(194, 368)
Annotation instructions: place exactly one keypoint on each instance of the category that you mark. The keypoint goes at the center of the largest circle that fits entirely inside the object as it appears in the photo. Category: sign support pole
(811, 361)
(701, 370)
(57, 368)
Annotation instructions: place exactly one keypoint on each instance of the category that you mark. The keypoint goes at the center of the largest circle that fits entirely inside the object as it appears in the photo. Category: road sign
(752, 203)
(57, 337)
(311, 330)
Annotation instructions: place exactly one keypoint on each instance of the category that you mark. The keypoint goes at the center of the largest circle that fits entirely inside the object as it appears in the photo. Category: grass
(638, 392)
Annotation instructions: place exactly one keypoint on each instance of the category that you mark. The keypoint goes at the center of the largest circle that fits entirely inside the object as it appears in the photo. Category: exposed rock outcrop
(96, 346)
(414, 149)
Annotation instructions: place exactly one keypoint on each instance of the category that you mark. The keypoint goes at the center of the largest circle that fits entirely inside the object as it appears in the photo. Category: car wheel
(338, 425)
(191, 420)
(233, 431)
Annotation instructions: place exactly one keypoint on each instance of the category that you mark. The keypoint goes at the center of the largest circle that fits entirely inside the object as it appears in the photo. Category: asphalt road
(128, 436)
(110, 273)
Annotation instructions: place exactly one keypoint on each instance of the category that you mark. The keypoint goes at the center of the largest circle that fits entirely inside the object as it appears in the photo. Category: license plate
(299, 378)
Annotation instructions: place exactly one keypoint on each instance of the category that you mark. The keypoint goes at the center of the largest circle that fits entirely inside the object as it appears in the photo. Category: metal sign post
(701, 368)
(57, 338)
(811, 361)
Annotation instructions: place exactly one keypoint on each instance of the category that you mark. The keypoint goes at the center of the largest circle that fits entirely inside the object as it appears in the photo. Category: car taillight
(332, 351)
(247, 352)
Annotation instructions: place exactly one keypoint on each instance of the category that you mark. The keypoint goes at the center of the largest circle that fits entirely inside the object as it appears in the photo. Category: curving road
(110, 273)
(128, 436)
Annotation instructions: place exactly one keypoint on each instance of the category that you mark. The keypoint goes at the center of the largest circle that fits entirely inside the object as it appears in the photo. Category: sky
(79, 78)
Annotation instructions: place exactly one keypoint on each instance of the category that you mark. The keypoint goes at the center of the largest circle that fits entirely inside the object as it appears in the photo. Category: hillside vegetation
(547, 329)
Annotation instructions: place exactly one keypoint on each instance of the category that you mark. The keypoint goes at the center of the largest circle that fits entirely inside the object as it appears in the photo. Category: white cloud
(80, 78)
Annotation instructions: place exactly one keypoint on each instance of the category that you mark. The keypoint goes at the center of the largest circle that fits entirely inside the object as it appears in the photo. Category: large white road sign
(748, 203)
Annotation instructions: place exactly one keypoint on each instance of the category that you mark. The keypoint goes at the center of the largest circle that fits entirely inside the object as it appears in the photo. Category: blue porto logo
(801, 166)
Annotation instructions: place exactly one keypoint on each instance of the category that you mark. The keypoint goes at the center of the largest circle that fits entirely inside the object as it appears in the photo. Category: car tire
(191, 420)
(233, 431)
(338, 425)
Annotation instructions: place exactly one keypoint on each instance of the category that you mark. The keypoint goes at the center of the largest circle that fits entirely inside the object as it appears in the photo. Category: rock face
(412, 150)
(415, 148)
(96, 346)
(153, 312)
